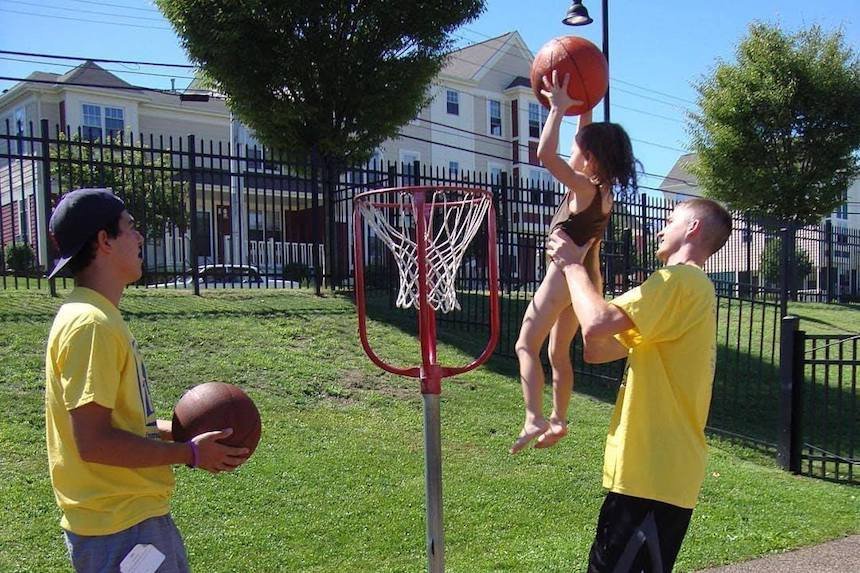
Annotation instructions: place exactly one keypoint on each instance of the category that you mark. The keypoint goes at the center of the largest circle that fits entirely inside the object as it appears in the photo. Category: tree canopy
(335, 77)
(778, 131)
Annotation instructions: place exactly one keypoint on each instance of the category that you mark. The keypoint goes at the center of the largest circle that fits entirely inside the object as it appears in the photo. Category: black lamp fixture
(577, 15)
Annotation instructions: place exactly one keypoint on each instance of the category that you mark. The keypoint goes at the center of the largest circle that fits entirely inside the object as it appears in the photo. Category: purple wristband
(193, 463)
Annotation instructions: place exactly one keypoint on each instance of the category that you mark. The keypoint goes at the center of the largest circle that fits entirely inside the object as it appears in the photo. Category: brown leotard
(590, 223)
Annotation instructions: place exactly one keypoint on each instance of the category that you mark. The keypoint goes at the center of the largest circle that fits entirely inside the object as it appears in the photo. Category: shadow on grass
(745, 406)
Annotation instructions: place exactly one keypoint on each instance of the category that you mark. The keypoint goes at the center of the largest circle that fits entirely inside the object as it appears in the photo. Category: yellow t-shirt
(92, 357)
(656, 444)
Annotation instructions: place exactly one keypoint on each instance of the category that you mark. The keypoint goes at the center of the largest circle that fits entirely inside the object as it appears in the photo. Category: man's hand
(216, 457)
(563, 251)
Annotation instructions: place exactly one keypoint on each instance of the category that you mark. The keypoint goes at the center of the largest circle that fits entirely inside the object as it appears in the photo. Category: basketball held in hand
(215, 406)
(582, 61)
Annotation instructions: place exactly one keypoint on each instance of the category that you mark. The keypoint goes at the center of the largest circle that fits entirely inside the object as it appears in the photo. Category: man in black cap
(109, 457)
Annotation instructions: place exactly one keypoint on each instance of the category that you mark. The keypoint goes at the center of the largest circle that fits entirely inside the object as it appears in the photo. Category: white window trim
(103, 116)
(501, 119)
(447, 101)
(543, 114)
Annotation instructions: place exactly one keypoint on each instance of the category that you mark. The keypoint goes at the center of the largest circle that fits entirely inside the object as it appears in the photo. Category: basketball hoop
(452, 218)
(427, 230)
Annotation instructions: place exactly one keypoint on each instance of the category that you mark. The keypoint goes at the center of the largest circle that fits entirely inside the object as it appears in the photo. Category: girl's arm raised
(575, 151)
(563, 171)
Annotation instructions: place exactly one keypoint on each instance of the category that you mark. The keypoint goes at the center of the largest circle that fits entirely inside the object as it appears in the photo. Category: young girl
(601, 160)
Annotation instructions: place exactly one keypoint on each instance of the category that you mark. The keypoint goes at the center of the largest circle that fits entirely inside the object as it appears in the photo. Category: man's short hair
(87, 254)
(715, 219)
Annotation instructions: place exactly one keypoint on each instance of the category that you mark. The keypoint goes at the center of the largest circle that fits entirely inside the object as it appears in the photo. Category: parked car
(227, 276)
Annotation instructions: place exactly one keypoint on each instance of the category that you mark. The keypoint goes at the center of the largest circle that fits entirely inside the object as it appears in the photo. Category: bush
(19, 257)
(296, 272)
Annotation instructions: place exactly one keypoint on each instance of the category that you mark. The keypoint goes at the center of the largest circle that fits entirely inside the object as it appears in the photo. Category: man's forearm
(588, 303)
(120, 448)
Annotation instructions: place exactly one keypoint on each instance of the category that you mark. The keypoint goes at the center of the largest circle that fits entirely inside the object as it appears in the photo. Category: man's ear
(694, 227)
(103, 241)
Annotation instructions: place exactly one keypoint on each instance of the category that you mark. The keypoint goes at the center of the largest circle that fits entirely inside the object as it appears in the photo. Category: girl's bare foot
(556, 431)
(531, 430)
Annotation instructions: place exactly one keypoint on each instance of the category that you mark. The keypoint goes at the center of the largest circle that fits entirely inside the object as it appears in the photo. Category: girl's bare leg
(560, 340)
(550, 299)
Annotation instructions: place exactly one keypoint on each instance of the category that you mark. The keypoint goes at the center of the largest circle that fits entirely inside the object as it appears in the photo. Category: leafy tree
(779, 130)
(334, 77)
(143, 177)
(770, 263)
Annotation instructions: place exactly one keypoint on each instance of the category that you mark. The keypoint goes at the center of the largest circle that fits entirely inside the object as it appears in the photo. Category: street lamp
(577, 15)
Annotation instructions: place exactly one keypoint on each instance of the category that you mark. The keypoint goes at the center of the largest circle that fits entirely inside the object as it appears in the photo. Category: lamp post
(577, 15)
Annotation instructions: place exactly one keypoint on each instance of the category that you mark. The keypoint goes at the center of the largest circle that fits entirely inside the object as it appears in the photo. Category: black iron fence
(221, 216)
(819, 404)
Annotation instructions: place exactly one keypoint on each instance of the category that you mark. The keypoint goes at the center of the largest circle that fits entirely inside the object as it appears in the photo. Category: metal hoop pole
(433, 483)
(431, 387)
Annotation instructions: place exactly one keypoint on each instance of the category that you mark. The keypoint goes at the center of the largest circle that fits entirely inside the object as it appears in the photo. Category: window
(495, 175)
(453, 101)
(407, 160)
(256, 220)
(20, 122)
(841, 211)
(23, 221)
(534, 120)
(92, 125)
(376, 170)
(113, 121)
(453, 169)
(537, 119)
(495, 111)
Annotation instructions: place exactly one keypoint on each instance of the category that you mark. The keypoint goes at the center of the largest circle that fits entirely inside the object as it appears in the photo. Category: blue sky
(657, 48)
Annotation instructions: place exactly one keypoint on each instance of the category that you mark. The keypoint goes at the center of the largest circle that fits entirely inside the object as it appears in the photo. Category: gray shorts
(103, 553)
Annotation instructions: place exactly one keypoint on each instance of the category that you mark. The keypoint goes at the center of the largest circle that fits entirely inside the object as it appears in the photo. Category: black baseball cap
(78, 216)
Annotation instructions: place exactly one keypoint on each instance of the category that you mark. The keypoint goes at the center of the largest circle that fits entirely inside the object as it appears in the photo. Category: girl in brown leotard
(601, 161)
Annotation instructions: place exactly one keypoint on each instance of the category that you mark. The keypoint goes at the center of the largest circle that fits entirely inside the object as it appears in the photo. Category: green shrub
(19, 257)
(296, 272)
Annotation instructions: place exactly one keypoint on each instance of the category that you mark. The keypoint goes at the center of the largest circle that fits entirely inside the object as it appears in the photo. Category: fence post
(390, 266)
(315, 201)
(752, 289)
(45, 207)
(332, 258)
(627, 235)
(828, 230)
(192, 193)
(791, 348)
(500, 200)
(785, 268)
(643, 218)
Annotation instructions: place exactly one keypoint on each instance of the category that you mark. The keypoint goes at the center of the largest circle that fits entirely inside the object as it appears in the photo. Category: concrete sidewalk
(832, 557)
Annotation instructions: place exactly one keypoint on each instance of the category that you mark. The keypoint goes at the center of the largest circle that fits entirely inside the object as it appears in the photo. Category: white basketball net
(453, 217)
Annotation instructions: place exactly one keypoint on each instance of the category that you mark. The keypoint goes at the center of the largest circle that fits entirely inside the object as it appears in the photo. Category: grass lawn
(337, 482)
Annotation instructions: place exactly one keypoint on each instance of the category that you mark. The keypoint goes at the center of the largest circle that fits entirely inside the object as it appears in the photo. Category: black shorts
(635, 535)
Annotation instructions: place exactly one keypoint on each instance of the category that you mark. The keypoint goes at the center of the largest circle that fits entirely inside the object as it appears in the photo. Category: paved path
(842, 555)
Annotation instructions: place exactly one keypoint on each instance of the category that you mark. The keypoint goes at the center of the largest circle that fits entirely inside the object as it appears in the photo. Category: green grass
(337, 482)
